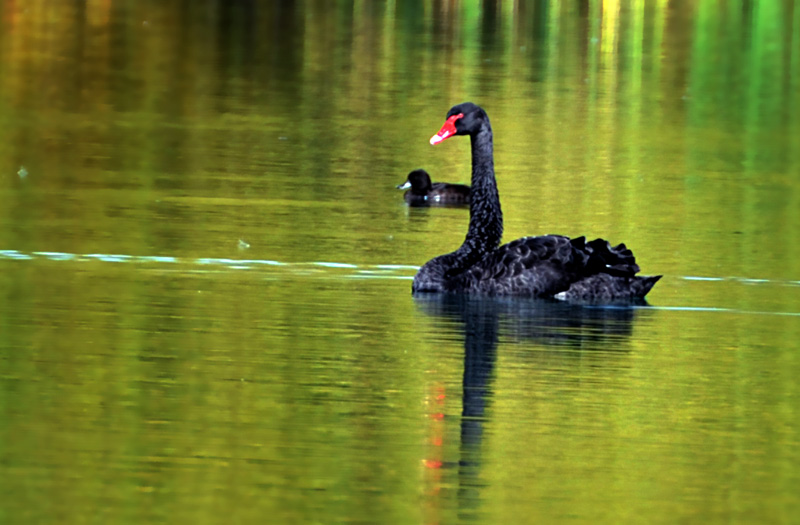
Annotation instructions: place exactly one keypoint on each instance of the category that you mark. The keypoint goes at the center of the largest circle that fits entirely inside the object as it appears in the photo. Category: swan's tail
(608, 289)
(611, 273)
(641, 285)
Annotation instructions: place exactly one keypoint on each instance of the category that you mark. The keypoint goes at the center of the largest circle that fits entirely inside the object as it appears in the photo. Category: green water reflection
(147, 376)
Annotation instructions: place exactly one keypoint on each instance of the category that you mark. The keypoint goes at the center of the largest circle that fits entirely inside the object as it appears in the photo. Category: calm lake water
(205, 267)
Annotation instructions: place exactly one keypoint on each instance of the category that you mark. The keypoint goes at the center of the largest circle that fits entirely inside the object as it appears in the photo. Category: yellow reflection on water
(205, 302)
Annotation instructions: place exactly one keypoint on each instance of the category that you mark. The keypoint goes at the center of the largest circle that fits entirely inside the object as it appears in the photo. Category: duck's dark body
(424, 193)
(546, 266)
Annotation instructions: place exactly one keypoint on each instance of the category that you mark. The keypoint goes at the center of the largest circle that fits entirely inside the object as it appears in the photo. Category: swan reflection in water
(567, 330)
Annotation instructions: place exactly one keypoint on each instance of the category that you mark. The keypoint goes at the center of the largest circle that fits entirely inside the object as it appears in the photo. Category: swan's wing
(546, 265)
(532, 266)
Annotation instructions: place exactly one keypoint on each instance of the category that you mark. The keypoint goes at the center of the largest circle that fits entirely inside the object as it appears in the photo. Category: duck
(545, 266)
(421, 192)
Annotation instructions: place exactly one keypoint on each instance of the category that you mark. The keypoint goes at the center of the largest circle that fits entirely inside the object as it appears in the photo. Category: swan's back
(556, 266)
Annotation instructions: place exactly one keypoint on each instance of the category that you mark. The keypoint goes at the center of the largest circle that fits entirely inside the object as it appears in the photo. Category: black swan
(424, 193)
(546, 266)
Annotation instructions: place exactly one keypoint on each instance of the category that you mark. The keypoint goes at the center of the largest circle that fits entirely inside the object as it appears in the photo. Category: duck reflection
(563, 328)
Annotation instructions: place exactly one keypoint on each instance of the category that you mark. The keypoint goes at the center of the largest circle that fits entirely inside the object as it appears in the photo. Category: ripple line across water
(384, 271)
(374, 271)
(715, 309)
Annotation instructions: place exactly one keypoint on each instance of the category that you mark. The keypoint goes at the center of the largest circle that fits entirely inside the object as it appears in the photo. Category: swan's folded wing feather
(546, 265)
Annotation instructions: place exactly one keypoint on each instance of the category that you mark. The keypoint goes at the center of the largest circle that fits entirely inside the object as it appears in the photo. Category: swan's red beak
(447, 131)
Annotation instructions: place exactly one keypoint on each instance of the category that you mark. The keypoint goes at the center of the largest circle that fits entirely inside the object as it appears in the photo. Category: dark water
(205, 309)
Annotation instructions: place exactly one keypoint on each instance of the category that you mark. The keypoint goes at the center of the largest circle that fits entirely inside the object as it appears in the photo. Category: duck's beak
(447, 131)
(404, 186)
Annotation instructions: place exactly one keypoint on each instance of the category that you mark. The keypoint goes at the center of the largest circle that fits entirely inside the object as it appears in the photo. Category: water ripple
(715, 309)
(377, 271)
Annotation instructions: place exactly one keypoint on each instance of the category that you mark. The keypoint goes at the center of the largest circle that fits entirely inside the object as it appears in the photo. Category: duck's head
(418, 180)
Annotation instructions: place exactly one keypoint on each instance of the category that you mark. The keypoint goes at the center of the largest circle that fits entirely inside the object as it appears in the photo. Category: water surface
(205, 308)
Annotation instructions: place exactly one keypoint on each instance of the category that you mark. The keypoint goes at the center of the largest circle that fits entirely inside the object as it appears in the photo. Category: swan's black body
(424, 193)
(546, 266)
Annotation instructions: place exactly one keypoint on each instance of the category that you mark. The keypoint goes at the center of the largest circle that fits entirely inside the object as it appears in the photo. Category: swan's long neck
(485, 221)
(485, 214)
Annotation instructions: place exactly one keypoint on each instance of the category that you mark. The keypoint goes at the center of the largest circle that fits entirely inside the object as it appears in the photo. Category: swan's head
(464, 119)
